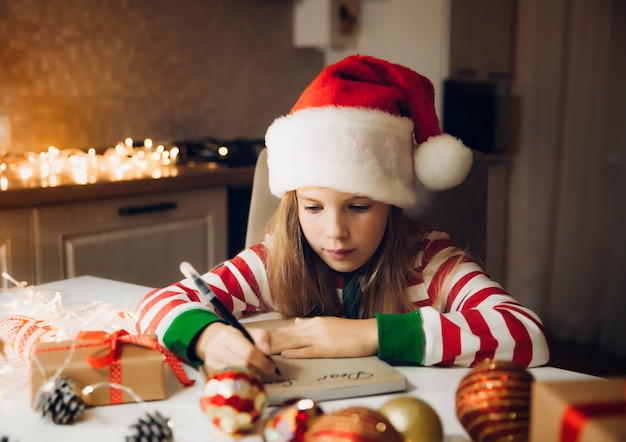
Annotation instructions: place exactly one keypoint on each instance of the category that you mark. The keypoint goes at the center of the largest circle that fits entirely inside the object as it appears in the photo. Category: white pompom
(442, 162)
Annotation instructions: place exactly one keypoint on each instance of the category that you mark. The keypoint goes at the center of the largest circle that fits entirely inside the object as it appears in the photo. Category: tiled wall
(85, 73)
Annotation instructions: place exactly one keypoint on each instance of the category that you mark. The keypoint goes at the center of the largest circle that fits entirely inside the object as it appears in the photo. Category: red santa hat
(368, 127)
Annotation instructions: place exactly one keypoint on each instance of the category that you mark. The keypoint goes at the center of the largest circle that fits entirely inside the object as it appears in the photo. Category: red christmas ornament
(352, 424)
(234, 399)
(290, 421)
(493, 401)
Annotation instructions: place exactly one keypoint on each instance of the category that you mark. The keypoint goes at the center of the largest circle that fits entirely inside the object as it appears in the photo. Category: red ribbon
(575, 416)
(113, 358)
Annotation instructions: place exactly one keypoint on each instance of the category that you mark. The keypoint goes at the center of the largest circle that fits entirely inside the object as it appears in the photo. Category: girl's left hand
(326, 337)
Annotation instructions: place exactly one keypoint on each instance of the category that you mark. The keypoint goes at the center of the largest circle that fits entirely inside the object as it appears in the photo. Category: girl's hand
(221, 345)
(326, 337)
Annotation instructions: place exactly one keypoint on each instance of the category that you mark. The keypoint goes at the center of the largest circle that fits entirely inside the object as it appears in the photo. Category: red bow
(575, 416)
(113, 357)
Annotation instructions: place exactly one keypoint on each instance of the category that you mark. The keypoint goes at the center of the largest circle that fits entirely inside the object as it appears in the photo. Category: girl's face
(344, 229)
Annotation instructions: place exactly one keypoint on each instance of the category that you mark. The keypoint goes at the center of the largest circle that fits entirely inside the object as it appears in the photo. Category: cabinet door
(141, 240)
(16, 246)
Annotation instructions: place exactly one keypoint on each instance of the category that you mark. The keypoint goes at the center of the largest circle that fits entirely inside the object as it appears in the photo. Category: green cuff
(400, 337)
(180, 337)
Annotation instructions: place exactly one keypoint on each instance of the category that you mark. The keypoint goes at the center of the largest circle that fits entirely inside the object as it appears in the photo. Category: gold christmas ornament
(414, 419)
(493, 401)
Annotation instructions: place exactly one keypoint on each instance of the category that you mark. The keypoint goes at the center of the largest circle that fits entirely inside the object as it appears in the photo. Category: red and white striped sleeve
(240, 283)
(476, 318)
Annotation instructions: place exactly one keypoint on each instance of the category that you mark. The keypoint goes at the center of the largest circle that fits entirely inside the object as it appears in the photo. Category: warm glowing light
(79, 175)
(44, 169)
(4, 183)
(54, 166)
(53, 181)
(222, 151)
(26, 173)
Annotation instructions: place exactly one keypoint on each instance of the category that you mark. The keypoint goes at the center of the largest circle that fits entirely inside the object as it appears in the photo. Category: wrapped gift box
(567, 411)
(99, 359)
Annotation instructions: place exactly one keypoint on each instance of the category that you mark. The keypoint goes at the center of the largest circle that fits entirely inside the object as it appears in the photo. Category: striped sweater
(475, 320)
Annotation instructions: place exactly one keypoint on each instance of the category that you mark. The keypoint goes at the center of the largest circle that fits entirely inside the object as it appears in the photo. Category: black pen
(191, 273)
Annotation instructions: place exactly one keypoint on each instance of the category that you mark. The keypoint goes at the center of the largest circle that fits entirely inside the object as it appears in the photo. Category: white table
(18, 421)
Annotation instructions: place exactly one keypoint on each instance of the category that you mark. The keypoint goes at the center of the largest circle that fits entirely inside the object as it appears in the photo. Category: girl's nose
(335, 225)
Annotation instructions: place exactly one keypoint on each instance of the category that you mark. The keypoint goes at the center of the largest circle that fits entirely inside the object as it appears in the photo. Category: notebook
(328, 379)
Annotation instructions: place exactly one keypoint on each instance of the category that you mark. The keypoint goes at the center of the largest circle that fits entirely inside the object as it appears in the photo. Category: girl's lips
(338, 254)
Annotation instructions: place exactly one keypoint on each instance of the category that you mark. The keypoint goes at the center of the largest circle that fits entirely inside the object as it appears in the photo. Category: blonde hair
(303, 285)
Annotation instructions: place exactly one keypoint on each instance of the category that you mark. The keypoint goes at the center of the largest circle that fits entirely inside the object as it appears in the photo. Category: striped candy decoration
(22, 333)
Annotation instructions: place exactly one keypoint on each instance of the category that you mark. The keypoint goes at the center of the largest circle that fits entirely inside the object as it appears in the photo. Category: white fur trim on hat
(362, 151)
(442, 162)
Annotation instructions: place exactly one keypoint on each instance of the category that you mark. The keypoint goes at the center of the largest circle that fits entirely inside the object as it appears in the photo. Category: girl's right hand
(221, 345)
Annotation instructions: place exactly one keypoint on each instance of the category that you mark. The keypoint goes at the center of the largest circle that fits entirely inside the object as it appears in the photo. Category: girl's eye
(312, 208)
(359, 207)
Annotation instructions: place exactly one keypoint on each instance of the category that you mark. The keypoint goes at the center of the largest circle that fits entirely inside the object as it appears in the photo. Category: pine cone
(155, 428)
(60, 403)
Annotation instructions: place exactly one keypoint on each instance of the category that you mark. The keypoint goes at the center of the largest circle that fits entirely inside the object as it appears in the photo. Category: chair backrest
(461, 211)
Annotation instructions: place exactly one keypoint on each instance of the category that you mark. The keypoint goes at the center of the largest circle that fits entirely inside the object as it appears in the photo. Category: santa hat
(368, 127)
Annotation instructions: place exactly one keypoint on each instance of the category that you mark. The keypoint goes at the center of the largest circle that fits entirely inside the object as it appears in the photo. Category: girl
(341, 256)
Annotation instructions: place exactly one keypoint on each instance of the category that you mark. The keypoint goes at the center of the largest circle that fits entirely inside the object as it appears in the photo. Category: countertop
(18, 193)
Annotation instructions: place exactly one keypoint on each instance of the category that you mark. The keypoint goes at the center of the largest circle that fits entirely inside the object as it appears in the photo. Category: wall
(82, 73)
(415, 33)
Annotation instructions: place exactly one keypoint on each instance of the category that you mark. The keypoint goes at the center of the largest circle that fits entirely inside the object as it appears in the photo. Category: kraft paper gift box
(98, 358)
(578, 411)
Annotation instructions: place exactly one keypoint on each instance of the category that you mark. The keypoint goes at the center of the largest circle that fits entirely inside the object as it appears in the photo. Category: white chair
(461, 211)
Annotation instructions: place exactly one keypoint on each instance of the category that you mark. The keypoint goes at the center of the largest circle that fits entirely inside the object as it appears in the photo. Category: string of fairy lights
(55, 167)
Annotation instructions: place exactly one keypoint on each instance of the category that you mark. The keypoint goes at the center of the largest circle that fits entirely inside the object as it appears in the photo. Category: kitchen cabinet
(137, 239)
(16, 245)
